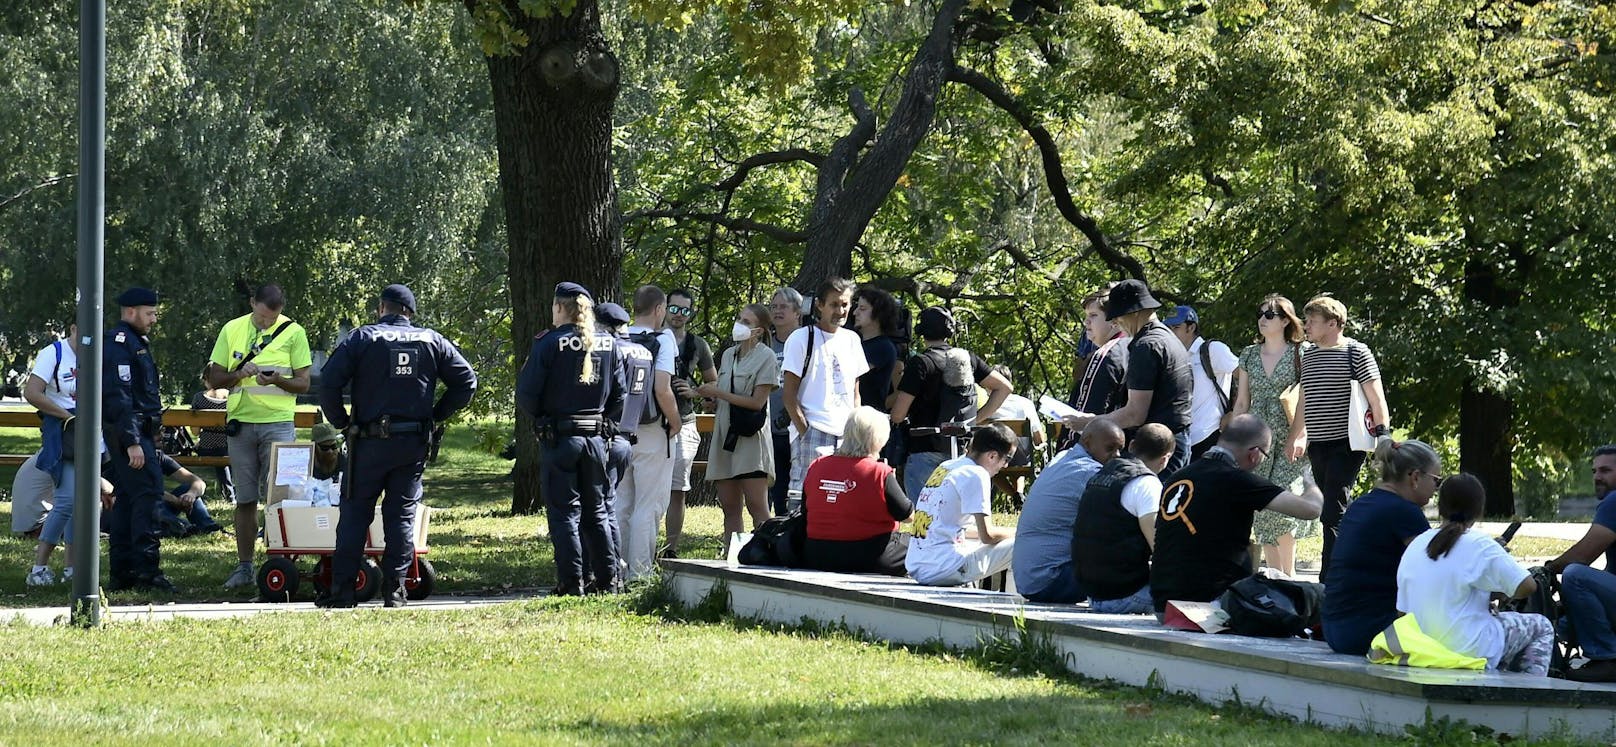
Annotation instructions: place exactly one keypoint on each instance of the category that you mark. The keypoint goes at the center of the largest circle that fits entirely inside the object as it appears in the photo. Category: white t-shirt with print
(61, 381)
(828, 387)
(956, 491)
(1448, 596)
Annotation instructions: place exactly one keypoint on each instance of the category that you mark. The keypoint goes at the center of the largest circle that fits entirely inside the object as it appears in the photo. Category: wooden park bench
(25, 416)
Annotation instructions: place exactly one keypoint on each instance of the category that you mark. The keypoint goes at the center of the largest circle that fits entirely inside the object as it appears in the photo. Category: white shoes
(41, 577)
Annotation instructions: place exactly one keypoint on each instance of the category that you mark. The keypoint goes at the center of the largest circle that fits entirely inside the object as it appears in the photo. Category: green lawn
(563, 671)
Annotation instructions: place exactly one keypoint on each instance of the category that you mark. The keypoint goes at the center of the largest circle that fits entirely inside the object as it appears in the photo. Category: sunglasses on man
(681, 310)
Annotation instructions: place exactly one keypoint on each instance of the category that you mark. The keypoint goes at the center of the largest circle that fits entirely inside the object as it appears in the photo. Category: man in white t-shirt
(1211, 396)
(1115, 529)
(822, 363)
(642, 493)
(955, 541)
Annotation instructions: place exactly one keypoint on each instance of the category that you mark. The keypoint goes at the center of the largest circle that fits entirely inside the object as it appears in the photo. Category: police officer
(636, 365)
(132, 416)
(570, 381)
(394, 368)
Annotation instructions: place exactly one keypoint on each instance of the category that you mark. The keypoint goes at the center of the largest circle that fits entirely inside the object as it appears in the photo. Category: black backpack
(1273, 608)
(649, 341)
(777, 542)
(956, 400)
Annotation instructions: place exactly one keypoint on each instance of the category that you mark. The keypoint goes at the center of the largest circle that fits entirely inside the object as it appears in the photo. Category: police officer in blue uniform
(132, 416)
(570, 381)
(394, 368)
(635, 364)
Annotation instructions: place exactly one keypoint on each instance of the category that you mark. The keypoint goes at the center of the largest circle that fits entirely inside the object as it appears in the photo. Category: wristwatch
(1379, 430)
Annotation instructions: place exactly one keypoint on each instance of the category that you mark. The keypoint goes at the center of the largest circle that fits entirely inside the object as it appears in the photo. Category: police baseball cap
(572, 290)
(325, 433)
(137, 297)
(1182, 315)
(400, 294)
(612, 314)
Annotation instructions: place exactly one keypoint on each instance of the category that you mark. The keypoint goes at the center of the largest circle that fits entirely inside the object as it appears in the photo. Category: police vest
(639, 374)
(1109, 554)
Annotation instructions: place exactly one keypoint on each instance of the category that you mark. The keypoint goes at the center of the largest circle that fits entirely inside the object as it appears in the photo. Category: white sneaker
(243, 576)
(67, 574)
(41, 577)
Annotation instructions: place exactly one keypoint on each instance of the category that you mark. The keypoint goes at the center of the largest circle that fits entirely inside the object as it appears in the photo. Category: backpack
(1273, 608)
(777, 542)
(639, 373)
(653, 411)
(956, 400)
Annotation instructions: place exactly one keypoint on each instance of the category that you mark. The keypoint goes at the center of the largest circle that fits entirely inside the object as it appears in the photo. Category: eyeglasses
(1270, 315)
(1261, 451)
(1436, 479)
(330, 447)
(681, 310)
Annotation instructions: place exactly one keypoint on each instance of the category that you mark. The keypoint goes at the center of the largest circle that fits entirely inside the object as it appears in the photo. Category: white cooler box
(314, 529)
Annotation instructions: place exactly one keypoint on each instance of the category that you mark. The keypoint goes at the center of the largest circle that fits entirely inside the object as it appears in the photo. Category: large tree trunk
(553, 105)
(851, 189)
(1485, 417)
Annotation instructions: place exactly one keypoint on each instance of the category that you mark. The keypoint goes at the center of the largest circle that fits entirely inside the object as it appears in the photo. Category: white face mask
(740, 332)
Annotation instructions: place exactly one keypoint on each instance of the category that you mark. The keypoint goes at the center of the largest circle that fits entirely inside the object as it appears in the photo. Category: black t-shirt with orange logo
(1203, 530)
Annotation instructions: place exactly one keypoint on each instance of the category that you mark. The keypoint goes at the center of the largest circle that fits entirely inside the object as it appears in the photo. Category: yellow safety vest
(1403, 644)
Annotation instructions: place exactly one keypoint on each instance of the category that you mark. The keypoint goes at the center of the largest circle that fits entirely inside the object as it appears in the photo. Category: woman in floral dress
(1266, 370)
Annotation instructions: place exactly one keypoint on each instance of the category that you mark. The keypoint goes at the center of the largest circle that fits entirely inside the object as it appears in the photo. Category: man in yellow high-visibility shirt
(263, 359)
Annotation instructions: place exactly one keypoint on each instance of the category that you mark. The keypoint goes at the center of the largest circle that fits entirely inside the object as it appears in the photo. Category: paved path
(221, 610)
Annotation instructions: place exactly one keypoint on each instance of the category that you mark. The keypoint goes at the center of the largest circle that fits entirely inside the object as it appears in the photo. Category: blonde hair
(865, 434)
(1327, 307)
(582, 312)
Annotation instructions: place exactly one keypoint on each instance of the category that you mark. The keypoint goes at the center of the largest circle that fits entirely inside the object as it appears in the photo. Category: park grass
(564, 671)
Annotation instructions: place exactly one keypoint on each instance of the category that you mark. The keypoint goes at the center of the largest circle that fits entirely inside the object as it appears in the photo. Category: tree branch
(778, 233)
(745, 168)
(50, 182)
(1054, 172)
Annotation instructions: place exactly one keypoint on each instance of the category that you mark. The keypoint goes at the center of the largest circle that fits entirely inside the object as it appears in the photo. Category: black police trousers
(380, 465)
(132, 549)
(577, 493)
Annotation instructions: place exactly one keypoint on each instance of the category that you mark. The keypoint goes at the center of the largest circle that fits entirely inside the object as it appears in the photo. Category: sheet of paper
(1054, 408)
(292, 466)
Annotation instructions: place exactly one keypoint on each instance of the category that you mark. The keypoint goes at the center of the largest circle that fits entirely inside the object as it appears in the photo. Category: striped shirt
(1327, 376)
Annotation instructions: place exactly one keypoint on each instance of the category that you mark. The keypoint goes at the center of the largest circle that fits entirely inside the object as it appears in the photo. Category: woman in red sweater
(853, 503)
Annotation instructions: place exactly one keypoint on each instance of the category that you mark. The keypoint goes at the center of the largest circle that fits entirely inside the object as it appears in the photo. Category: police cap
(137, 297)
(572, 290)
(612, 314)
(401, 295)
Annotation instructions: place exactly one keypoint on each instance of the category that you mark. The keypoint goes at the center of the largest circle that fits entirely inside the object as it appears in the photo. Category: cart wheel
(368, 581)
(322, 575)
(416, 589)
(277, 580)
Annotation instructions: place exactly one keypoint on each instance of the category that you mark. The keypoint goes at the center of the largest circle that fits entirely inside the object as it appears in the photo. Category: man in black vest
(1115, 530)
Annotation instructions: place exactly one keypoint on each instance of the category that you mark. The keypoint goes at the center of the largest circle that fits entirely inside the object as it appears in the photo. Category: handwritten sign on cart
(291, 464)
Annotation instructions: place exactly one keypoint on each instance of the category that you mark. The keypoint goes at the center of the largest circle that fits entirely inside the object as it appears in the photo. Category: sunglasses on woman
(1269, 314)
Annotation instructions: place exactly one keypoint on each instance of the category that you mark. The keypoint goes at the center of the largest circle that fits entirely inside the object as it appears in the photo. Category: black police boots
(336, 601)
(393, 594)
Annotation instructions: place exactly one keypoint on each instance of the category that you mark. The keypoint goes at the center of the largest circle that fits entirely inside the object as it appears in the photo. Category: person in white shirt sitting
(955, 541)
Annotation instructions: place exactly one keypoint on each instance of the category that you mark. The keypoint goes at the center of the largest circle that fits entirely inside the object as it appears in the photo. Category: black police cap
(401, 295)
(572, 290)
(612, 314)
(137, 297)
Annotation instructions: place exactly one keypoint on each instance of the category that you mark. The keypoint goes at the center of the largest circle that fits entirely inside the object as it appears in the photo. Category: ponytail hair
(582, 311)
(1462, 501)
(1399, 459)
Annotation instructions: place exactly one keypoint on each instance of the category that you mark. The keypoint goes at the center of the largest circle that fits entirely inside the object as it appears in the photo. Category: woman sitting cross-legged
(853, 503)
(1447, 576)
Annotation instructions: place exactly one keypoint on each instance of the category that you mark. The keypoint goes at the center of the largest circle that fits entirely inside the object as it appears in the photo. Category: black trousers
(1335, 469)
(782, 466)
(577, 492)
(132, 549)
(378, 466)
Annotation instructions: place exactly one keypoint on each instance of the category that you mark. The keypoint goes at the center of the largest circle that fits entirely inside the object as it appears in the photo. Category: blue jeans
(1590, 598)
(198, 515)
(59, 522)
(1137, 603)
(917, 468)
(1181, 453)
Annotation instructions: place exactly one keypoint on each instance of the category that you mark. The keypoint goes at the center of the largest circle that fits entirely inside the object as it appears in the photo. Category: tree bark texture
(851, 189)
(1486, 418)
(553, 104)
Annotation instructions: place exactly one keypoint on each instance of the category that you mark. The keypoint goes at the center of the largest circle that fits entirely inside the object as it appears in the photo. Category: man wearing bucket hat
(1159, 383)
(329, 455)
(394, 368)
